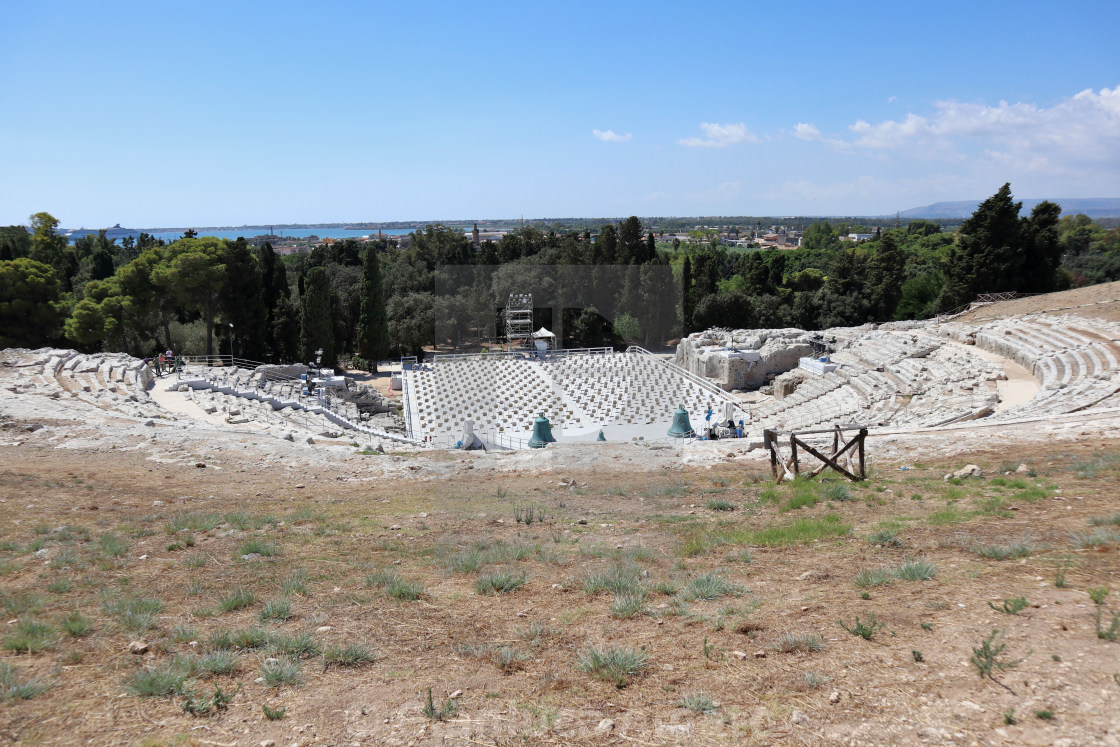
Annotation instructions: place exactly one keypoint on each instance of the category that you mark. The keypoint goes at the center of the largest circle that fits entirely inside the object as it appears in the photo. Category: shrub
(720, 505)
(1011, 606)
(616, 664)
(988, 658)
(863, 628)
(396, 585)
(916, 569)
(441, 713)
(30, 636)
(626, 606)
(273, 714)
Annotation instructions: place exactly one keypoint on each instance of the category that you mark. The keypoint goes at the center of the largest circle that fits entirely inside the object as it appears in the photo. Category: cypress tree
(316, 325)
(688, 301)
(373, 327)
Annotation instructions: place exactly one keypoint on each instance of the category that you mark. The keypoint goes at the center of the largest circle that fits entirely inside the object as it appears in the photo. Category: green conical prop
(681, 428)
(542, 433)
(601, 436)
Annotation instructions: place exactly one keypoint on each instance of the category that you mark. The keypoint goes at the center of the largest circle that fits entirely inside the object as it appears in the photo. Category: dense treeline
(371, 300)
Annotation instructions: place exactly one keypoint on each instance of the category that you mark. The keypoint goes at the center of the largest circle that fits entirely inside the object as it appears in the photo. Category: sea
(247, 232)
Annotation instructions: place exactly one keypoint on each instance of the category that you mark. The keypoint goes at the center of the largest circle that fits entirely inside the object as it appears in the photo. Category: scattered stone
(672, 731)
(310, 440)
(143, 557)
(193, 644)
(834, 698)
(456, 694)
(149, 423)
(300, 486)
(200, 465)
(268, 743)
(760, 654)
(138, 647)
(739, 654)
(969, 470)
(799, 718)
(289, 436)
(157, 503)
(395, 528)
(324, 629)
(1023, 468)
(606, 726)
(581, 521)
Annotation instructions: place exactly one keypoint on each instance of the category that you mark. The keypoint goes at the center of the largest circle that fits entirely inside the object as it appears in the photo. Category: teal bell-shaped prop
(681, 428)
(542, 433)
(601, 436)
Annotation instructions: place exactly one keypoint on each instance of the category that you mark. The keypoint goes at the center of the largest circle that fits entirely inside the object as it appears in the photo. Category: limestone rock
(606, 726)
(799, 718)
(138, 647)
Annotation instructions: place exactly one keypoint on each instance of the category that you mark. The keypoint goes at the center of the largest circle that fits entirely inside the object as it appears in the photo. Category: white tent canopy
(543, 333)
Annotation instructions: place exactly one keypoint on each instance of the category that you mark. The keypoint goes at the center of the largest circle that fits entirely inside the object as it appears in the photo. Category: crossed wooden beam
(791, 467)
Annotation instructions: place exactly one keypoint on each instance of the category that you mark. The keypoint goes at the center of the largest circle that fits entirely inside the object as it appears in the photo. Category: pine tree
(373, 327)
(991, 244)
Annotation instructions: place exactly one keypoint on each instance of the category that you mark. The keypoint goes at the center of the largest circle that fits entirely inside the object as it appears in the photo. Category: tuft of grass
(1009, 717)
(246, 638)
(395, 585)
(1112, 632)
(915, 569)
(296, 583)
(885, 538)
(60, 585)
(137, 614)
(628, 605)
(700, 702)
(499, 582)
(67, 557)
(1011, 606)
(217, 662)
(743, 557)
(1023, 548)
(276, 609)
(873, 577)
(836, 491)
(1091, 468)
(30, 636)
(183, 633)
(533, 633)
(112, 545)
(791, 642)
(76, 624)
(168, 679)
(280, 671)
(946, 516)
(193, 522)
(258, 547)
(300, 644)
(349, 655)
(863, 628)
(1099, 537)
(1104, 521)
(1045, 714)
(508, 658)
(620, 579)
(527, 513)
(801, 531)
(812, 680)
(710, 586)
(238, 599)
(718, 504)
(616, 664)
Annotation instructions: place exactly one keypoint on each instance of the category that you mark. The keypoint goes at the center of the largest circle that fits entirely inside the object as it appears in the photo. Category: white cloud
(806, 131)
(720, 136)
(1083, 129)
(610, 136)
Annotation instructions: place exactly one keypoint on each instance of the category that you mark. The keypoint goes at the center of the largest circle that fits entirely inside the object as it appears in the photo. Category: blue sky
(177, 114)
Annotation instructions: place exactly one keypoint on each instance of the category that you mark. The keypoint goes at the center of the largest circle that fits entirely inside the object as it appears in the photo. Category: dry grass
(539, 624)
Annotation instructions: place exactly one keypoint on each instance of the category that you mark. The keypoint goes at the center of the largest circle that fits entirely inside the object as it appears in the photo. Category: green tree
(627, 327)
(15, 242)
(316, 324)
(29, 310)
(411, 322)
(242, 300)
(194, 272)
(886, 273)
(50, 248)
(990, 242)
(86, 325)
(1042, 251)
(688, 301)
(373, 326)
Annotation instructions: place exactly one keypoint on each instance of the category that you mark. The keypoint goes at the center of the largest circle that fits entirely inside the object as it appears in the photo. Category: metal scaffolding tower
(519, 317)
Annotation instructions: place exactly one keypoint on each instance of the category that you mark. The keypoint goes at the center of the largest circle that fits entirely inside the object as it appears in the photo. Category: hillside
(1094, 207)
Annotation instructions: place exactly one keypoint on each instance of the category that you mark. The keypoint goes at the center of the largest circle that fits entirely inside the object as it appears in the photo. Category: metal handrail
(701, 382)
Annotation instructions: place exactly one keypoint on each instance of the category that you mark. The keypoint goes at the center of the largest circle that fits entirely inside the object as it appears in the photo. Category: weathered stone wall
(779, 351)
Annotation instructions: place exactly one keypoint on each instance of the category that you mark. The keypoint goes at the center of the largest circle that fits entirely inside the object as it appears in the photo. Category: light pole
(231, 343)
